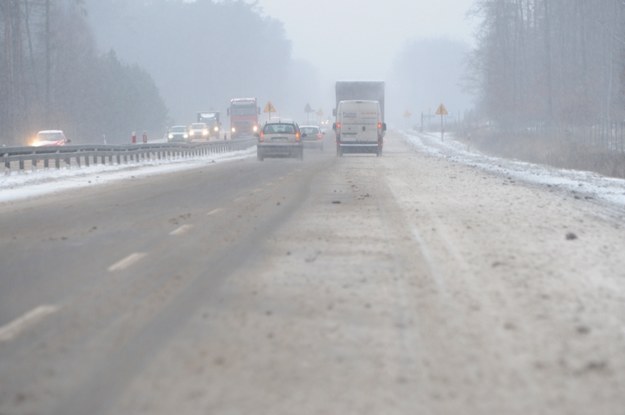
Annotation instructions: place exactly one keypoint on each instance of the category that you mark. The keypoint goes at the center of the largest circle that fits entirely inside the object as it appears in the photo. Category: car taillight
(379, 126)
(319, 136)
(261, 137)
(338, 125)
(297, 136)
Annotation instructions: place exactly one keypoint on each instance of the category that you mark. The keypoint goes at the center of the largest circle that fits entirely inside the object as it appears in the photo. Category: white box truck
(359, 127)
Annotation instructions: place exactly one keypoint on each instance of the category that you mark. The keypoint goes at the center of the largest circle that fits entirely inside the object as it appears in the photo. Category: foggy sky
(358, 39)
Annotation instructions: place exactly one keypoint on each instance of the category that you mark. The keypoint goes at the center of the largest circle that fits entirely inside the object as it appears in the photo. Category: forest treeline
(550, 62)
(203, 53)
(52, 77)
(99, 68)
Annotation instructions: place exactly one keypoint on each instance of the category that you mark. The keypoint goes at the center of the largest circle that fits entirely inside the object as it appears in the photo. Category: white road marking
(214, 211)
(181, 230)
(13, 329)
(257, 190)
(239, 199)
(127, 262)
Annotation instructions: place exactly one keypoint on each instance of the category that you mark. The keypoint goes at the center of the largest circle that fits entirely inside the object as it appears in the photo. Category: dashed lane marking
(13, 329)
(181, 230)
(127, 262)
(214, 212)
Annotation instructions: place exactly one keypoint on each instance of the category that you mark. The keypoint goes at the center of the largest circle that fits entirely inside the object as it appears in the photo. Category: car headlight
(255, 128)
(234, 130)
(170, 136)
(186, 135)
(216, 129)
(192, 133)
(204, 132)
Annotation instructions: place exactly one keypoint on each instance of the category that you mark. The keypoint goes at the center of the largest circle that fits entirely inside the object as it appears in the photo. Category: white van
(359, 127)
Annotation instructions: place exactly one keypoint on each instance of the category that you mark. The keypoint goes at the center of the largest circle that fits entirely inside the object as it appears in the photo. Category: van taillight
(379, 126)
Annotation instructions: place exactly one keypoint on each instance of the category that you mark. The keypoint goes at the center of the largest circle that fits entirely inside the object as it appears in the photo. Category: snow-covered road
(431, 280)
(582, 184)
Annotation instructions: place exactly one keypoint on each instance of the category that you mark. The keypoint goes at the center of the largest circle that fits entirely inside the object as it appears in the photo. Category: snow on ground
(24, 185)
(584, 184)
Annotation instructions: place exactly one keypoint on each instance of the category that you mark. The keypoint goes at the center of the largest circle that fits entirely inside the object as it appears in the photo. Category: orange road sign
(270, 108)
(441, 110)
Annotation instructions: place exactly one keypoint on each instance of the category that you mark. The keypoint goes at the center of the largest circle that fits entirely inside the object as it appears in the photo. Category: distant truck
(243, 114)
(360, 90)
(359, 113)
(359, 127)
(211, 119)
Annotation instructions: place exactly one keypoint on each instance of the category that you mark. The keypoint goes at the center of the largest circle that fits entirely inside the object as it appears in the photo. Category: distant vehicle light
(234, 130)
(255, 128)
(170, 136)
(216, 129)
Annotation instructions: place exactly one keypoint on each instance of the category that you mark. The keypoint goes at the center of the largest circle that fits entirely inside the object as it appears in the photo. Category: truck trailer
(360, 90)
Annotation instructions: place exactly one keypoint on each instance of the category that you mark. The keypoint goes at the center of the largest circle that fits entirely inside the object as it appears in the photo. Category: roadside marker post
(442, 111)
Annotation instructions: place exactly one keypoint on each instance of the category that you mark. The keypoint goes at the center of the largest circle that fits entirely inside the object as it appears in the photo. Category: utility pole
(48, 63)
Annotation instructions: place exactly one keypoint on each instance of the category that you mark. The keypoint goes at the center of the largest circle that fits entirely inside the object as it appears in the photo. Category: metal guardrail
(18, 158)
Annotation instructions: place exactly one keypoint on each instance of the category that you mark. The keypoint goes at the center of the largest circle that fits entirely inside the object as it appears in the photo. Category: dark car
(312, 136)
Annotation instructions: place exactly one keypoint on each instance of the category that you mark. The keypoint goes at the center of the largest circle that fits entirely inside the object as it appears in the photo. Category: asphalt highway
(357, 285)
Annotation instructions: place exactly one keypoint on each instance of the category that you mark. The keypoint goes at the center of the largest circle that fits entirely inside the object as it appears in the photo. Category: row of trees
(550, 61)
(51, 77)
(202, 53)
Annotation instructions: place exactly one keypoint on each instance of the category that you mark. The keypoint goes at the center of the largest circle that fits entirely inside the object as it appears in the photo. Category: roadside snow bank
(584, 184)
(23, 185)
